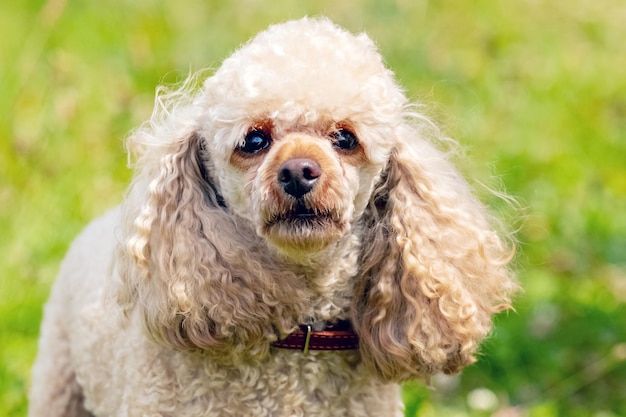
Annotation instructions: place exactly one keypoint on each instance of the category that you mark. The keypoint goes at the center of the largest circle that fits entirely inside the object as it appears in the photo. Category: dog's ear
(181, 264)
(433, 270)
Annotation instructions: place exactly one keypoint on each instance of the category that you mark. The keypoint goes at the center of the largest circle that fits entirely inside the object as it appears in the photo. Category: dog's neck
(336, 261)
(329, 275)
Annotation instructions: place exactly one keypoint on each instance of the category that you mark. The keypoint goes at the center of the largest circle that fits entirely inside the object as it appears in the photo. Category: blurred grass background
(534, 90)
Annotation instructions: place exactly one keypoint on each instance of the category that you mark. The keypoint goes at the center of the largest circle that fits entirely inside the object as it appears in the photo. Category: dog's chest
(285, 384)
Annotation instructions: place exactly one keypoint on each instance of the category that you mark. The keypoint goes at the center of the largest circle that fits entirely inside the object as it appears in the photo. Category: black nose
(298, 176)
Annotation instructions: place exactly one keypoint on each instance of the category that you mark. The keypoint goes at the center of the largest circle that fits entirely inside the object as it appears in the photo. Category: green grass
(534, 91)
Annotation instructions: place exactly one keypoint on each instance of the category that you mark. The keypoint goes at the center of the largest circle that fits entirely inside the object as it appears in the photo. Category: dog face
(300, 186)
(299, 139)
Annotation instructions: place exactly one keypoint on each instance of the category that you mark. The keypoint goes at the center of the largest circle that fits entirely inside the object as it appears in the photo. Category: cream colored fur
(167, 306)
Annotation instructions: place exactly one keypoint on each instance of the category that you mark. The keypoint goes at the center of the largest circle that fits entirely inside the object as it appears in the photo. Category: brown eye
(344, 139)
(255, 141)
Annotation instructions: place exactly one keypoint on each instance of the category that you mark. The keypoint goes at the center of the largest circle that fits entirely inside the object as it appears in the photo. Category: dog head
(301, 142)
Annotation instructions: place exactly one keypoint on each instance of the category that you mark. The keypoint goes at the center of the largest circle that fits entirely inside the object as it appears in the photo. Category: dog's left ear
(433, 269)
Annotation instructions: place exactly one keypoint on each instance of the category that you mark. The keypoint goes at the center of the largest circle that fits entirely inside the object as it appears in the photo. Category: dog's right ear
(181, 261)
(162, 259)
(171, 187)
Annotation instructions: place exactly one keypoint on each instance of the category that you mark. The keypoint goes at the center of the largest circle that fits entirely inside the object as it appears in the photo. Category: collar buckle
(336, 336)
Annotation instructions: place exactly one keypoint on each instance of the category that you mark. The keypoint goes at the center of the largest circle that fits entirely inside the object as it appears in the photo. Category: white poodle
(289, 246)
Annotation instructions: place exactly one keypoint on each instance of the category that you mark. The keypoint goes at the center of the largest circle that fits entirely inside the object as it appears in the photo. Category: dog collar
(339, 336)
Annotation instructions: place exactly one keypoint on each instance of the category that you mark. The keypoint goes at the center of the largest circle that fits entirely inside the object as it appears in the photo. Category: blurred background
(533, 90)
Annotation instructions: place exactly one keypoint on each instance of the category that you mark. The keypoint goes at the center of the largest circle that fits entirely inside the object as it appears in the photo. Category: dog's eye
(255, 141)
(344, 139)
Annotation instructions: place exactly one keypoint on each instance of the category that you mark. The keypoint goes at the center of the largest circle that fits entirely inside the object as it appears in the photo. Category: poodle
(290, 245)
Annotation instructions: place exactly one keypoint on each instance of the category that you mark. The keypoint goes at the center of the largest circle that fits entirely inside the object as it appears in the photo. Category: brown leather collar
(339, 336)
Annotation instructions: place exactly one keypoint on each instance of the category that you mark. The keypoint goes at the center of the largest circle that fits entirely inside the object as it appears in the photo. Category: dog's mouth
(303, 226)
(302, 215)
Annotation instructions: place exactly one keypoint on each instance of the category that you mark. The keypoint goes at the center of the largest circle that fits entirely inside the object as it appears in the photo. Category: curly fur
(168, 305)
